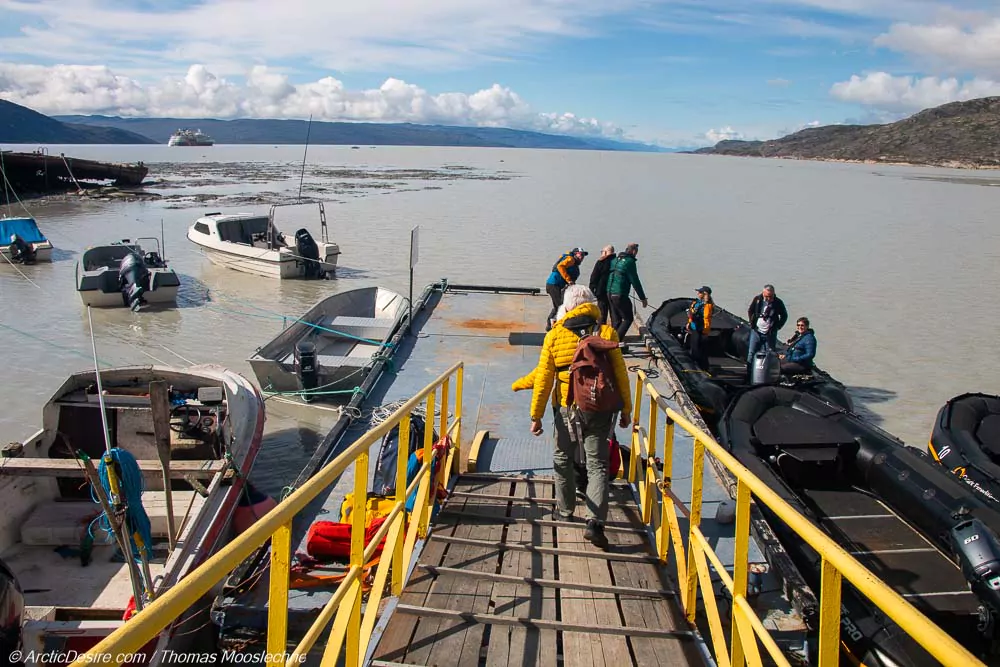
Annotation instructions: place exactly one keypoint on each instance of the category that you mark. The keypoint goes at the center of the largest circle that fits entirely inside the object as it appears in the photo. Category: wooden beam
(490, 496)
(555, 551)
(473, 516)
(550, 583)
(539, 624)
(43, 467)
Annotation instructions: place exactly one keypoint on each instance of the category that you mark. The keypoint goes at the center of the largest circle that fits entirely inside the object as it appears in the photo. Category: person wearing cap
(599, 279)
(565, 272)
(767, 314)
(622, 278)
(699, 325)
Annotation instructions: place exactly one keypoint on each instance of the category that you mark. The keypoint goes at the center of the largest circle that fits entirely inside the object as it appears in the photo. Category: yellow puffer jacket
(557, 352)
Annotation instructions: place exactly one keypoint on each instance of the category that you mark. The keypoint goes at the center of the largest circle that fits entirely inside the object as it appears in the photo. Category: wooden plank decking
(481, 596)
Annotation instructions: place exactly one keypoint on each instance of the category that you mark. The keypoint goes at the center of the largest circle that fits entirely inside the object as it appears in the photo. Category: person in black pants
(699, 325)
(599, 280)
(564, 273)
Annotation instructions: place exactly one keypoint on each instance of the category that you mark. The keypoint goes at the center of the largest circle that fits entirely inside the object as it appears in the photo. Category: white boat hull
(99, 299)
(268, 263)
(43, 251)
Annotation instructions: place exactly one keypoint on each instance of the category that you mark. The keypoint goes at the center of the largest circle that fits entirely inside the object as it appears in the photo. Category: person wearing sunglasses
(798, 358)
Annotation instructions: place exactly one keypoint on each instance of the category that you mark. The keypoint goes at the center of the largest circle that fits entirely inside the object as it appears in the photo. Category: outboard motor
(305, 364)
(133, 279)
(11, 611)
(308, 252)
(765, 367)
(979, 557)
(21, 252)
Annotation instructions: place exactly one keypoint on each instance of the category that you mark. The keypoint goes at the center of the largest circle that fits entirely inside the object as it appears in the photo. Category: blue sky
(674, 72)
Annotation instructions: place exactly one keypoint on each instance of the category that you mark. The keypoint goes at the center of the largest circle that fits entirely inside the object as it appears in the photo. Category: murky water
(898, 274)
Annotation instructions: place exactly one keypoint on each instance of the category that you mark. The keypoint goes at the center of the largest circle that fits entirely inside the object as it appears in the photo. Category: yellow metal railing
(737, 644)
(351, 629)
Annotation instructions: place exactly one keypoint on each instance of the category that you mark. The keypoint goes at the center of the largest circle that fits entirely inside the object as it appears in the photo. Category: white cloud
(269, 94)
(952, 46)
(906, 93)
(723, 134)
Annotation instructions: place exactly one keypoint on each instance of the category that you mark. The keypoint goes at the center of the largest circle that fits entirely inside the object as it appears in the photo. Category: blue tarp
(23, 227)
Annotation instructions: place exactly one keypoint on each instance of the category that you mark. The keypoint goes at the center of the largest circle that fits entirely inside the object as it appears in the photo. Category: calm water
(897, 273)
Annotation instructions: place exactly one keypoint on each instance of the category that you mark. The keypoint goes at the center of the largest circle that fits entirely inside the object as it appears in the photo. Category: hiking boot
(561, 514)
(595, 533)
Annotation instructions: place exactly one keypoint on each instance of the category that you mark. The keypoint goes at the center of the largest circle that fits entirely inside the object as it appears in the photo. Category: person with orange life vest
(699, 325)
(565, 272)
(574, 426)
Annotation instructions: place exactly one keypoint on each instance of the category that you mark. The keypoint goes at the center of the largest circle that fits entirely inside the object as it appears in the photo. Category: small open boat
(22, 241)
(966, 440)
(727, 347)
(906, 519)
(206, 421)
(330, 349)
(253, 244)
(124, 274)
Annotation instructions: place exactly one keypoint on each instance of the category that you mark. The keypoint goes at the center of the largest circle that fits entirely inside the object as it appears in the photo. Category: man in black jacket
(599, 279)
(767, 315)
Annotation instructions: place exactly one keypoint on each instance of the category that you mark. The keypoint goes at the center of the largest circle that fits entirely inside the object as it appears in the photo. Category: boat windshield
(242, 230)
(107, 256)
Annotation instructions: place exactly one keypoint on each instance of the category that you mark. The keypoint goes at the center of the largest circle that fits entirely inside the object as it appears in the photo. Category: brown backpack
(592, 377)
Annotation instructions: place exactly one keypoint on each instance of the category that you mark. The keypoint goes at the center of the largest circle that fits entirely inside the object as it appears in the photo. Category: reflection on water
(896, 274)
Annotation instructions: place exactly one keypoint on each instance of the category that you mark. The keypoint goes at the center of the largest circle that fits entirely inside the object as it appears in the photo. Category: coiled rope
(130, 483)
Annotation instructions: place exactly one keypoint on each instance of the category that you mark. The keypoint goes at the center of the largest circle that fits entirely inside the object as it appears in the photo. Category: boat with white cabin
(254, 244)
(123, 273)
(200, 426)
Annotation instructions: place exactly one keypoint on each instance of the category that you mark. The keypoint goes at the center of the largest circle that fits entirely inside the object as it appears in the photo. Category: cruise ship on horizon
(190, 138)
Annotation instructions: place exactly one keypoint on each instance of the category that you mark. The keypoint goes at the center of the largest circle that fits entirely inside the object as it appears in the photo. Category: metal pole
(302, 174)
(163, 241)
(100, 389)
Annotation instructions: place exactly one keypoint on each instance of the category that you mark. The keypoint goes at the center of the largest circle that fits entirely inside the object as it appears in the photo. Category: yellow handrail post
(741, 564)
(635, 453)
(459, 388)
(694, 521)
(358, 520)
(649, 479)
(424, 515)
(277, 600)
(666, 504)
(829, 616)
(398, 570)
(443, 428)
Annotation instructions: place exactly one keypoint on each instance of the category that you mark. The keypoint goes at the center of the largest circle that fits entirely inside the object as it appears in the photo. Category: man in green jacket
(623, 276)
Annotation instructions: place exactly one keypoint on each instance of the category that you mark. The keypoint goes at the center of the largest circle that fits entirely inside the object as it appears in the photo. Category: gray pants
(596, 427)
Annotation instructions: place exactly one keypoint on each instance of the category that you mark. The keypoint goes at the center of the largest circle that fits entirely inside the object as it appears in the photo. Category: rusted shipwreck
(42, 172)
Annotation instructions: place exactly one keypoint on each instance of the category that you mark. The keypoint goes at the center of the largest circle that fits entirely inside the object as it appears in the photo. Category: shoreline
(943, 164)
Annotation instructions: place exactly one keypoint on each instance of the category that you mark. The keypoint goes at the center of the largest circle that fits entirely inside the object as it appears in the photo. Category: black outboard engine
(21, 252)
(306, 368)
(308, 252)
(11, 611)
(765, 367)
(979, 557)
(133, 279)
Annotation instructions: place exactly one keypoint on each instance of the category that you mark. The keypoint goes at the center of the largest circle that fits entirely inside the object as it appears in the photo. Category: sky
(677, 73)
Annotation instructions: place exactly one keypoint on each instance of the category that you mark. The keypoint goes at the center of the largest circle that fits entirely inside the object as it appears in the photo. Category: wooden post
(159, 401)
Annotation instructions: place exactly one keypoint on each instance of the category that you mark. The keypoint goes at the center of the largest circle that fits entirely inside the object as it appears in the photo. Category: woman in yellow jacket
(552, 373)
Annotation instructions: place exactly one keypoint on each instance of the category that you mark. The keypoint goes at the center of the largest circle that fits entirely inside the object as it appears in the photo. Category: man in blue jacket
(564, 273)
(798, 358)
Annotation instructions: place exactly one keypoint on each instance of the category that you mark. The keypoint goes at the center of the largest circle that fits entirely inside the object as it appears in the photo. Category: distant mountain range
(959, 134)
(20, 125)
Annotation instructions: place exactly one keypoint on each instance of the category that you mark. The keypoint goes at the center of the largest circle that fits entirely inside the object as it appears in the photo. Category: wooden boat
(253, 244)
(727, 347)
(25, 229)
(124, 274)
(39, 171)
(328, 352)
(209, 422)
(966, 440)
(922, 531)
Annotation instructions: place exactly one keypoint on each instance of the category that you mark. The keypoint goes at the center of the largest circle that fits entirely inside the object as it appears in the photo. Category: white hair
(577, 295)
(561, 312)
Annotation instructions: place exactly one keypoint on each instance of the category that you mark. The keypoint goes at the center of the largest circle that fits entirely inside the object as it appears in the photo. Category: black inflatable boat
(727, 347)
(901, 515)
(966, 441)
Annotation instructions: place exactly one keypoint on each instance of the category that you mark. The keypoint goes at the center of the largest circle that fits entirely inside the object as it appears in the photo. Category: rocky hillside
(960, 134)
(21, 125)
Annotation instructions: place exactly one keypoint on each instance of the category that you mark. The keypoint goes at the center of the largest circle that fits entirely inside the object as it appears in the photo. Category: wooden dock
(499, 582)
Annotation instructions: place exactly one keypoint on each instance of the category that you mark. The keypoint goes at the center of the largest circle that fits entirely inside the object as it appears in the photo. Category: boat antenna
(304, 153)
(163, 242)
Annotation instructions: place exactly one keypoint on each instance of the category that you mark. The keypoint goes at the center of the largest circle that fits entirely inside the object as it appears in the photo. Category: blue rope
(130, 485)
